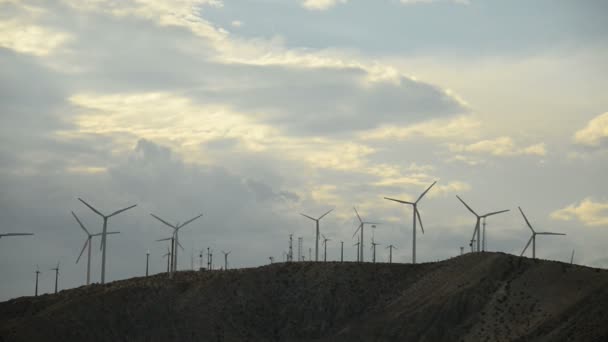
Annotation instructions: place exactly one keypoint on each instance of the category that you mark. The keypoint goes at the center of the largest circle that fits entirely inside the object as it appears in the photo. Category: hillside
(475, 297)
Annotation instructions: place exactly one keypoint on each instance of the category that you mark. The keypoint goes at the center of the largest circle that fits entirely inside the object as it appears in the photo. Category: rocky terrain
(475, 297)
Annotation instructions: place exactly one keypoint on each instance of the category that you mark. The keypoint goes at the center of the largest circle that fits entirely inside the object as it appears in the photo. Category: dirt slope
(476, 297)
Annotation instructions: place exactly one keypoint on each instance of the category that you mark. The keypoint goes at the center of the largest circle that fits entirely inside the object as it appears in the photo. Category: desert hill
(475, 297)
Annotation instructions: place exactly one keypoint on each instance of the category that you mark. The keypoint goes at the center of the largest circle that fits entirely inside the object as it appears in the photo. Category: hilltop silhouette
(475, 297)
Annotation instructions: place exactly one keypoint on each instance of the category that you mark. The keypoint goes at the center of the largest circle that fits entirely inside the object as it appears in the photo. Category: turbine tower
(572, 258)
(317, 232)
(374, 244)
(341, 251)
(325, 247)
(477, 232)
(290, 253)
(87, 244)
(226, 259)
(14, 234)
(176, 229)
(37, 274)
(168, 255)
(56, 269)
(533, 237)
(361, 228)
(104, 234)
(416, 215)
(358, 251)
(390, 253)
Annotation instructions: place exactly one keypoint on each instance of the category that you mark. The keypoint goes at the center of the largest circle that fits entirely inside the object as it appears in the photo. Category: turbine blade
(496, 213)
(528, 244)
(80, 223)
(475, 231)
(322, 216)
(110, 233)
(312, 218)
(16, 234)
(549, 233)
(190, 220)
(357, 229)
(525, 218)
(91, 207)
(180, 245)
(165, 239)
(121, 210)
(163, 221)
(419, 219)
(425, 191)
(466, 205)
(324, 238)
(396, 200)
(359, 217)
(87, 241)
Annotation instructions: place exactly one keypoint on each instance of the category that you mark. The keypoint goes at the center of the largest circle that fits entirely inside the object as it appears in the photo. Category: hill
(475, 297)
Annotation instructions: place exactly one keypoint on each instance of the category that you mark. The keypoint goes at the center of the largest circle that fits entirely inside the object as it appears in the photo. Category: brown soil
(476, 297)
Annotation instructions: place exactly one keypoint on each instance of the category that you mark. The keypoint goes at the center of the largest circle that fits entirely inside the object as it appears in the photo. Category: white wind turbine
(325, 247)
(176, 229)
(171, 251)
(361, 227)
(87, 243)
(416, 215)
(533, 237)
(317, 231)
(226, 259)
(477, 232)
(104, 233)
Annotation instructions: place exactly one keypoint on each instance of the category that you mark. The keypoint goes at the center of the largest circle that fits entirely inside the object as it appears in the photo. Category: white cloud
(236, 23)
(30, 39)
(459, 127)
(594, 133)
(501, 147)
(321, 5)
(588, 212)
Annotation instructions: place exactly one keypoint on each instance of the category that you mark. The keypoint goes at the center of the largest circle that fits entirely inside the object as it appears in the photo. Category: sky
(251, 112)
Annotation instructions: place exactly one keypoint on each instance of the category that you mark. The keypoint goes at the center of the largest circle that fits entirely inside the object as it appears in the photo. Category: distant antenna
(317, 231)
(416, 215)
(476, 232)
(290, 253)
(37, 274)
(361, 228)
(300, 255)
(390, 253)
(533, 237)
(176, 229)
(56, 269)
(104, 234)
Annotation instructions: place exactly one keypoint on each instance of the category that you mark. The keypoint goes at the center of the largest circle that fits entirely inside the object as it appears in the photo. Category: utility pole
(341, 251)
(147, 261)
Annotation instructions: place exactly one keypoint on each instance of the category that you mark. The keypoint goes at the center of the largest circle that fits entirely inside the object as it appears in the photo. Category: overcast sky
(253, 111)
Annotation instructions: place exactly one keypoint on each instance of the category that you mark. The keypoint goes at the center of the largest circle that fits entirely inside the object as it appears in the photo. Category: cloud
(589, 212)
(500, 147)
(321, 5)
(461, 127)
(594, 133)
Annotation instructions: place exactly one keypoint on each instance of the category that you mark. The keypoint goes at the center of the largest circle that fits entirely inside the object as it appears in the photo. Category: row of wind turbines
(477, 242)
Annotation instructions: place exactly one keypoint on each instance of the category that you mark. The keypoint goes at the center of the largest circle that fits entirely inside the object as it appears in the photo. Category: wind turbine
(374, 244)
(168, 255)
(533, 237)
(14, 234)
(87, 243)
(477, 231)
(104, 234)
(317, 232)
(325, 247)
(172, 251)
(390, 253)
(176, 229)
(358, 251)
(226, 259)
(361, 227)
(416, 215)
(56, 269)
(341, 251)
(37, 274)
